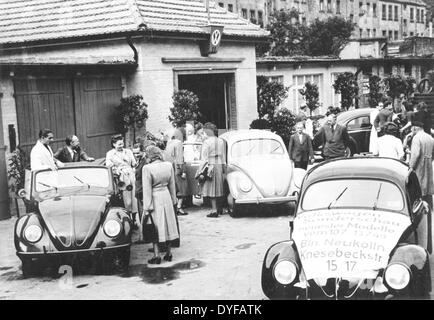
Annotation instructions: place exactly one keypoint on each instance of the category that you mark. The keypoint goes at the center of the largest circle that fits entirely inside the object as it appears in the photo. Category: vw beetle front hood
(271, 174)
(72, 221)
(346, 243)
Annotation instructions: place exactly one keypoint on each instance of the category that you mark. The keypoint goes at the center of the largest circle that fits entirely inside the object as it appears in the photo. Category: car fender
(284, 250)
(21, 245)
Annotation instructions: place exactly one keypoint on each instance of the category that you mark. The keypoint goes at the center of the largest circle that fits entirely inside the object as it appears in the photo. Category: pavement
(218, 259)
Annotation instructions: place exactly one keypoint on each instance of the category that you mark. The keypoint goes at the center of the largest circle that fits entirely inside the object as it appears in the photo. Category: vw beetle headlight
(112, 228)
(285, 272)
(245, 184)
(397, 276)
(33, 233)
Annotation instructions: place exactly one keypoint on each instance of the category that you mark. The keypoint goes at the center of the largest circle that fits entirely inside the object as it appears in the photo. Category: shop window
(411, 14)
(383, 12)
(374, 10)
(244, 13)
(390, 12)
(396, 13)
(230, 7)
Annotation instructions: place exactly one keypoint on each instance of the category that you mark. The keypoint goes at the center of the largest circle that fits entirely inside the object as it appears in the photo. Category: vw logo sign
(215, 37)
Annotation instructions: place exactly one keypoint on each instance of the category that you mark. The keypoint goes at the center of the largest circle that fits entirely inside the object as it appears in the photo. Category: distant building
(394, 19)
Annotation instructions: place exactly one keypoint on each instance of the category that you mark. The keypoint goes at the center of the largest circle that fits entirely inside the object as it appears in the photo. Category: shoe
(213, 215)
(179, 213)
(155, 260)
(168, 257)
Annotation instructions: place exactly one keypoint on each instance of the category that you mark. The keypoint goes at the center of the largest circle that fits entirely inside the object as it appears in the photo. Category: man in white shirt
(388, 145)
(41, 156)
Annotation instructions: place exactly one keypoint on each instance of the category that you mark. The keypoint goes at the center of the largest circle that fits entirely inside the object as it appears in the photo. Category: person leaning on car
(72, 152)
(41, 156)
(300, 147)
(333, 137)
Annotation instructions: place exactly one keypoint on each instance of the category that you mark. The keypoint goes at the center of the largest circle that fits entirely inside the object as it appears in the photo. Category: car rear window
(353, 193)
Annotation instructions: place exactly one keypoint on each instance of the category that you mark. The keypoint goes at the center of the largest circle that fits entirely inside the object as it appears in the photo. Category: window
(338, 6)
(303, 21)
(321, 5)
(368, 31)
(360, 33)
(329, 5)
(404, 22)
(407, 69)
(360, 8)
(396, 35)
(230, 7)
(260, 18)
(257, 147)
(252, 16)
(383, 12)
(387, 69)
(244, 13)
(358, 123)
(422, 15)
(411, 14)
(374, 10)
(374, 32)
(221, 4)
(298, 83)
(396, 13)
(390, 35)
(411, 34)
(275, 79)
(390, 13)
(352, 17)
(417, 15)
(368, 9)
(384, 33)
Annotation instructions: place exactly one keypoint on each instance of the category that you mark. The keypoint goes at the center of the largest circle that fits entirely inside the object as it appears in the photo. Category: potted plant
(131, 114)
(185, 108)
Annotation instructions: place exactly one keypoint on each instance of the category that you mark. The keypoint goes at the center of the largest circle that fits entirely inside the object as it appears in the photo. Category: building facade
(394, 19)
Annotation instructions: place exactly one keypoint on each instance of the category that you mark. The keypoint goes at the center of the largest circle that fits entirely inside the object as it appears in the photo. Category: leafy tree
(346, 84)
(327, 37)
(131, 113)
(287, 34)
(185, 108)
(311, 96)
(396, 85)
(375, 90)
(283, 123)
(270, 95)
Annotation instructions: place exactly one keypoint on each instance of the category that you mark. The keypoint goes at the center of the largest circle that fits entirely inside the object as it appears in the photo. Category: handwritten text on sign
(346, 243)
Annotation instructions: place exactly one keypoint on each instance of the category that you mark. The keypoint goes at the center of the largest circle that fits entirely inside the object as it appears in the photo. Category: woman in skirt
(174, 153)
(159, 199)
(214, 153)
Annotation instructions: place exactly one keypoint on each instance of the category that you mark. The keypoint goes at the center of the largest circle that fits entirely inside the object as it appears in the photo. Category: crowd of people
(153, 182)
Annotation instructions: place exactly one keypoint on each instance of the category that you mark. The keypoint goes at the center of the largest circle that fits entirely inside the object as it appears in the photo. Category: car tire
(121, 260)
(30, 268)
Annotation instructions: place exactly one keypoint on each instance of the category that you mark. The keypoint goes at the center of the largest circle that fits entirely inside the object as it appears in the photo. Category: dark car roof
(360, 167)
(347, 115)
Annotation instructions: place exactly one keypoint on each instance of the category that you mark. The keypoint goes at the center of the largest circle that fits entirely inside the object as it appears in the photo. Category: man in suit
(41, 156)
(333, 137)
(72, 151)
(300, 147)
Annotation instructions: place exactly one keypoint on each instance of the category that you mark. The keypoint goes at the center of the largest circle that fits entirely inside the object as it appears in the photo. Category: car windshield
(72, 177)
(256, 147)
(354, 193)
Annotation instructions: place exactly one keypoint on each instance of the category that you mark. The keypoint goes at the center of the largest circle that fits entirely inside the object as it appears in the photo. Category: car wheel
(120, 261)
(30, 268)
(233, 207)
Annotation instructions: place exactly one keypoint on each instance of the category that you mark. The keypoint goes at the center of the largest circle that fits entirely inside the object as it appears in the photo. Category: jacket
(335, 142)
(41, 157)
(300, 151)
(62, 154)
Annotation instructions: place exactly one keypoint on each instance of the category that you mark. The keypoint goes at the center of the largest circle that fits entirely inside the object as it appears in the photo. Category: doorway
(216, 93)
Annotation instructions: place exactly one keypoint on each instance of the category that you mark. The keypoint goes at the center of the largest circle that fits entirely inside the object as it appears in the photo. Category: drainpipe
(136, 54)
(4, 190)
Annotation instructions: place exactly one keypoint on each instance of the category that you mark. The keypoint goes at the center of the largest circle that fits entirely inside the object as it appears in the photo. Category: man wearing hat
(389, 145)
(422, 153)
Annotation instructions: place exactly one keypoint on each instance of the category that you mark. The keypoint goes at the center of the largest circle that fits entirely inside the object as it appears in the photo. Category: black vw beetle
(360, 231)
(76, 213)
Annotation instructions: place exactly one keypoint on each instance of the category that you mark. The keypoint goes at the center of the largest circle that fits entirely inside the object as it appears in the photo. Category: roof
(360, 167)
(23, 21)
(245, 134)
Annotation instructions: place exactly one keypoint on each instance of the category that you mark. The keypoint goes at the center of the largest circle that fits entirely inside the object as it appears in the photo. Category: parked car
(361, 232)
(358, 125)
(259, 169)
(76, 212)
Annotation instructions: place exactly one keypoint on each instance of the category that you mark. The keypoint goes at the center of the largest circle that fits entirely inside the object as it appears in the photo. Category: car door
(359, 130)
(192, 159)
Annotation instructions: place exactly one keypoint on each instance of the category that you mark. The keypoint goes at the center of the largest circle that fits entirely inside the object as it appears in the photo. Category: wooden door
(95, 102)
(44, 103)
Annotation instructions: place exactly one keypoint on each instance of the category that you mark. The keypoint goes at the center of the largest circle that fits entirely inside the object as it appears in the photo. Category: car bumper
(267, 200)
(72, 252)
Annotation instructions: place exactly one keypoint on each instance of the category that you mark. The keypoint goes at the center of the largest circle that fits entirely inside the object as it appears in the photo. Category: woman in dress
(123, 162)
(174, 153)
(159, 199)
(214, 153)
(374, 135)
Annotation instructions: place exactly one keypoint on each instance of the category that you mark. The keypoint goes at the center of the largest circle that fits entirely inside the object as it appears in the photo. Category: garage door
(83, 106)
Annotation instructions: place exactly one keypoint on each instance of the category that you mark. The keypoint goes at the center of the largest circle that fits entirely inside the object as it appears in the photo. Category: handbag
(149, 231)
(205, 172)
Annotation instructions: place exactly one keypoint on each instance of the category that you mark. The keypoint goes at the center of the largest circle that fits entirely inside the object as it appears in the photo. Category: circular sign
(215, 37)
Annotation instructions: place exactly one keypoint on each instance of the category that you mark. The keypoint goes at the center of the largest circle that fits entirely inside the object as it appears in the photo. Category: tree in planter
(375, 90)
(270, 95)
(311, 96)
(283, 123)
(131, 113)
(346, 84)
(185, 108)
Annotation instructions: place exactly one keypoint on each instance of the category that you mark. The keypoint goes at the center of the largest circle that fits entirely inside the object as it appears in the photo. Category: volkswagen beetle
(361, 230)
(75, 212)
(259, 170)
